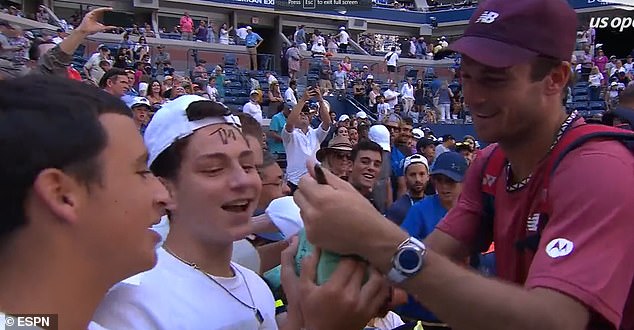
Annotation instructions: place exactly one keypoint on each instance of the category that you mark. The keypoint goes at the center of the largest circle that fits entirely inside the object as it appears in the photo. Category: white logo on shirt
(532, 224)
(489, 180)
(487, 17)
(559, 247)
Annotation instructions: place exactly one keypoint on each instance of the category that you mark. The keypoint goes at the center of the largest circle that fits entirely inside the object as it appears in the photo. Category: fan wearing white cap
(382, 192)
(343, 38)
(252, 107)
(140, 107)
(197, 150)
(416, 172)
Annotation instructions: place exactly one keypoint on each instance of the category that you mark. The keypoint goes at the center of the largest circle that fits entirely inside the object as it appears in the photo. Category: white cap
(249, 27)
(143, 86)
(344, 118)
(361, 115)
(284, 213)
(139, 101)
(380, 135)
(369, 77)
(414, 159)
(253, 92)
(342, 28)
(171, 124)
(418, 133)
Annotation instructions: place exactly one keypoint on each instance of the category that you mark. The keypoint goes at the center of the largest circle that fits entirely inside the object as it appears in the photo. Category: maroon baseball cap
(503, 33)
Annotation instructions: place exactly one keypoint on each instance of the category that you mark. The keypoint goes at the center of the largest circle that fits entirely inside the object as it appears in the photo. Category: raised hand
(91, 23)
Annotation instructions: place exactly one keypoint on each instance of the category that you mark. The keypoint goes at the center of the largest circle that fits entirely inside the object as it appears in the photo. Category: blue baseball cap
(450, 164)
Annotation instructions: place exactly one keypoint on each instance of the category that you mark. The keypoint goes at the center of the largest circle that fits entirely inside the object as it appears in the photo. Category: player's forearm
(464, 299)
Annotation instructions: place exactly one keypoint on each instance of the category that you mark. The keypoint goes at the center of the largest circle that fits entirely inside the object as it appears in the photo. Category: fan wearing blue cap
(447, 174)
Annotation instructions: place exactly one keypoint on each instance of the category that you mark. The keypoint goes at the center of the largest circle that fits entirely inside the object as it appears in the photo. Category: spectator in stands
(91, 68)
(161, 58)
(300, 140)
(141, 49)
(299, 37)
(324, 76)
(609, 67)
(447, 145)
(141, 108)
(391, 96)
(253, 107)
(187, 27)
(600, 61)
(421, 48)
(42, 15)
(316, 37)
(126, 43)
(124, 58)
(343, 38)
(293, 56)
(276, 101)
(596, 81)
(359, 91)
(223, 35)
(332, 45)
(252, 42)
(407, 96)
(336, 157)
(382, 108)
(201, 31)
(155, 95)
(629, 66)
(391, 60)
(340, 79)
(290, 95)
(382, 192)
(220, 81)
(276, 126)
(444, 95)
(466, 150)
(318, 50)
(416, 173)
(115, 82)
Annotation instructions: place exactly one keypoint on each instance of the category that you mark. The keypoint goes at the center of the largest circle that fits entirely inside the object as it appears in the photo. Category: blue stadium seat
(579, 98)
(598, 105)
(580, 91)
(580, 106)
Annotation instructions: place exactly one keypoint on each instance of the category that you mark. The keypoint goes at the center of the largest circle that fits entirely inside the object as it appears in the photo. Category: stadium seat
(597, 105)
(580, 98)
(580, 106)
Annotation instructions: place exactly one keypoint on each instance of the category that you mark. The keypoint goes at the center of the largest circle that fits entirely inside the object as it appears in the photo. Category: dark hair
(250, 126)
(149, 88)
(542, 66)
(168, 162)
(110, 75)
(268, 160)
(292, 83)
(626, 97)
(59, 128)
(365, 145)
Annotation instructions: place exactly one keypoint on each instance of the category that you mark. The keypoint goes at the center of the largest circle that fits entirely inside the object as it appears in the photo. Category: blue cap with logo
(450, 164)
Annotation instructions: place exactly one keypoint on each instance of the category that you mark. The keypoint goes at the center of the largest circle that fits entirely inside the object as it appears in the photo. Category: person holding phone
(301, 141)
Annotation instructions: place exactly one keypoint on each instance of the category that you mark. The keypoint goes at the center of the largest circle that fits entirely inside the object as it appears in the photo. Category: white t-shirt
(174, 295)
(407, 92)
(299, 148)
(391, 58)
(595, 79)
(343, 37)
(289, 97)
(255, 110)
(390, 93)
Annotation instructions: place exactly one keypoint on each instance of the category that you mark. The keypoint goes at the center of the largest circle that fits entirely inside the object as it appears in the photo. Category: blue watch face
(409, 260)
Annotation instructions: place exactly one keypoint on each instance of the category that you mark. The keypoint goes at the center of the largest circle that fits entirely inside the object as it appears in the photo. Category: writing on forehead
(225, 134)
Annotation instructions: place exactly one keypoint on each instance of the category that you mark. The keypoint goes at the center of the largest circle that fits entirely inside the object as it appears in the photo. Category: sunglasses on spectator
(342, 155)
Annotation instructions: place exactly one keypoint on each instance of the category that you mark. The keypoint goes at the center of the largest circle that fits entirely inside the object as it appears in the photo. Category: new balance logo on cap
(487, 17)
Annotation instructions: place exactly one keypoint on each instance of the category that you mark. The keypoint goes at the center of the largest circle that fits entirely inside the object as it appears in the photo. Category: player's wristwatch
(408, 260)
